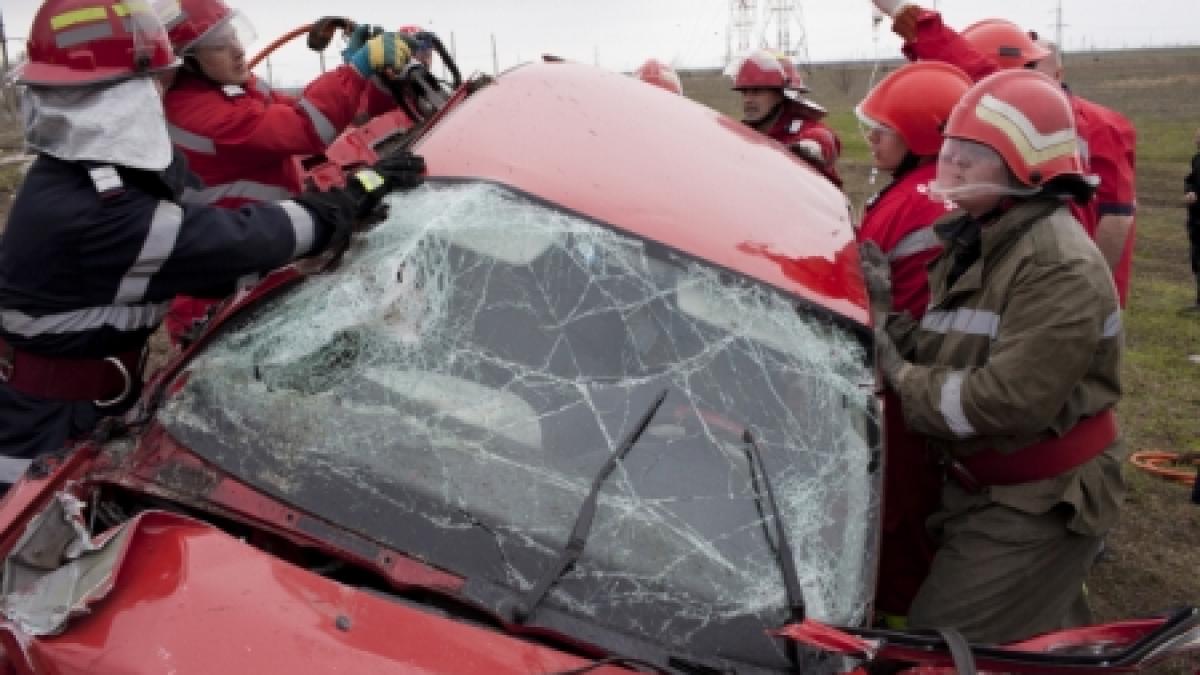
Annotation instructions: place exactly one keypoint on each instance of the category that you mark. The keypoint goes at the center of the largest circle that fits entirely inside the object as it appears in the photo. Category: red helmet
(659, 74)
(78, 42)
(915, 101)
(1005, 42)
(761, 69)
(190, 21)
(1025, 117)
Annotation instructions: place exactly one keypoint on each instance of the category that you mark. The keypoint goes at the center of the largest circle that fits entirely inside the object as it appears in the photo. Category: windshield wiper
(583, 519)
(782, 550)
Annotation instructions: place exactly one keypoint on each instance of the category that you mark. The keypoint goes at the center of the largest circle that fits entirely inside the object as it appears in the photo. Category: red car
(599, 396)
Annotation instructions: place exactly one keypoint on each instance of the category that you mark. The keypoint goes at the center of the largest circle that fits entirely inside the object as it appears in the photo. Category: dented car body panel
(188, 598)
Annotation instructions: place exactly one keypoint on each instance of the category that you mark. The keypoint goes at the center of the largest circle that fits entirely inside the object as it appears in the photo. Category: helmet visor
(233, 31)
(868, 124)
(968, 169)
(151, 50)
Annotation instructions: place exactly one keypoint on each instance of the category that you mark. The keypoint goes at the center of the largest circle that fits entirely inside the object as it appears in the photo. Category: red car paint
(188, 598)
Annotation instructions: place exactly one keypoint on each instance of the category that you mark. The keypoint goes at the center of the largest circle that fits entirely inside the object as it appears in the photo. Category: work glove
(346, 210)
(810, 151)
(904, 23)
(358, 37)
(382, 53)
(877, 274)
(321, 33)
(887, 357)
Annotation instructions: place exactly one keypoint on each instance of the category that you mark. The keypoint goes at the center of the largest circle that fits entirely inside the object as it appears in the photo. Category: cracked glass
(454, 387)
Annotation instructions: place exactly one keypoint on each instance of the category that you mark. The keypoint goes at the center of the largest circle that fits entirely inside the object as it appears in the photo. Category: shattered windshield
(454, 387)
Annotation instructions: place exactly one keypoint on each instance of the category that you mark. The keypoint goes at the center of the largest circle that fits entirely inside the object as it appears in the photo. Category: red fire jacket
(240, 140)
(899, 219)
(797, 122)
(1108, 139)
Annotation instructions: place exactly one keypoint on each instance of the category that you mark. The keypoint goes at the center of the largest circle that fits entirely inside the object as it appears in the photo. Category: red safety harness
(105, 381)
(1088, 438)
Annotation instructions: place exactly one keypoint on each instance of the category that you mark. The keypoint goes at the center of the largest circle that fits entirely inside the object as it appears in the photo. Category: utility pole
(1058, 26)
(743, 14)
(495, 58)
(3, 46)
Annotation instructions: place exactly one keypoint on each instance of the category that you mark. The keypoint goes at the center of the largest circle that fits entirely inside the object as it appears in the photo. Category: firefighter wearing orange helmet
(1013, 371)
(659, 74)
(903, 117)
(99, 240)
(1108, 139)
(771, 89)
(238, 134)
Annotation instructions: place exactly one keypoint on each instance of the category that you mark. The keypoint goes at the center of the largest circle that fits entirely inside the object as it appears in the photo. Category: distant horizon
(491, 36)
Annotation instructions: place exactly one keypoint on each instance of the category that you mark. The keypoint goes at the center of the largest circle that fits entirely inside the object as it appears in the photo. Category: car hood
(163, 591)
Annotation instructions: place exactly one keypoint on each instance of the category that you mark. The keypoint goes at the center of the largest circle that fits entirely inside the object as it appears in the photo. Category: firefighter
(1108, 138)
(659, 74)
(97, 241)
(772, 104)
(1191, 199)
(903, 117)
(1013, 371)
(238, 134)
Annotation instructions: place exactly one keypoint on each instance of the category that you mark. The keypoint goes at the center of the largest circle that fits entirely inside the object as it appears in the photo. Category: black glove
(877, 274)
(887, 357)
(323, 30)
(344, 210)
(402, 170)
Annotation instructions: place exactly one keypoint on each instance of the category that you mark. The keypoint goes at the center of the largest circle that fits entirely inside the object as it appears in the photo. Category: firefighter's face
(224, 61)
(758, 103)
(973, 175)
(887, 148)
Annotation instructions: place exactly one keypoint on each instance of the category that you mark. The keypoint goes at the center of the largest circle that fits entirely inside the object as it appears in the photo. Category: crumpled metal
(119, 123)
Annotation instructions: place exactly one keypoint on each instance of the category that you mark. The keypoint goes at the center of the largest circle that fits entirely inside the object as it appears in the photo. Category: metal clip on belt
(105, 382)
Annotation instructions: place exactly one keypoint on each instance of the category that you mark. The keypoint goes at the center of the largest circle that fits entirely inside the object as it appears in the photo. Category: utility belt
(105, 381)
(1047, 459)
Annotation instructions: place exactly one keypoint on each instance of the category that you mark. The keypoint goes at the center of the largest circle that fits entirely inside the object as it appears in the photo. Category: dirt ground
(1151, 561)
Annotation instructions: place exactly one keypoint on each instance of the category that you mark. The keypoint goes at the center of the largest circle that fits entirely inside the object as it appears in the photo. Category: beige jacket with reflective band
(1026, 342)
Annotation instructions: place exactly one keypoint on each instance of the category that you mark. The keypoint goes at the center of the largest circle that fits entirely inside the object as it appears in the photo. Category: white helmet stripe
(1034, 146)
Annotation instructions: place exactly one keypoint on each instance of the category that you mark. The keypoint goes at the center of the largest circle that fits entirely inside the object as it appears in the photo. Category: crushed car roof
(613, 149)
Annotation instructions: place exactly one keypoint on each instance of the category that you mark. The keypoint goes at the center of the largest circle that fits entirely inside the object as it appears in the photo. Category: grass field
(1154, 552)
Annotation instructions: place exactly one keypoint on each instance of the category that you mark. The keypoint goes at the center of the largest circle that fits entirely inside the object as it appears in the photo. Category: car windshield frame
(681, 553)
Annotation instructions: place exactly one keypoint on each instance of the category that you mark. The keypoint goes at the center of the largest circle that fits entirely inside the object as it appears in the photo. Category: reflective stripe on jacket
(1025, 343)
(86, 273)
(900, 220)
(241, 140)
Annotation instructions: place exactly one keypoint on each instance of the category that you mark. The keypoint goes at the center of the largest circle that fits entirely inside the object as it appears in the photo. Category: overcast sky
(620, 34)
